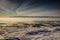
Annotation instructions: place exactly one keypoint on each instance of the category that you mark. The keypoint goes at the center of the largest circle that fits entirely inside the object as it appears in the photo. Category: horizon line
(35, 16)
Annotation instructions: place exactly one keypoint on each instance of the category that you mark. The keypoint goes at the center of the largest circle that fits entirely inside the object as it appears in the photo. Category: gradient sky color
(29, 8)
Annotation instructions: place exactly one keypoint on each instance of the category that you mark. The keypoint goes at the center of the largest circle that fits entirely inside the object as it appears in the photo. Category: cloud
(7, 7)
(38, 11)
(4, 4)
(28, 8)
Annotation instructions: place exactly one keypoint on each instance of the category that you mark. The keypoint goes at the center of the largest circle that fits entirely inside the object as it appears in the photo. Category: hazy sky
(29, 8)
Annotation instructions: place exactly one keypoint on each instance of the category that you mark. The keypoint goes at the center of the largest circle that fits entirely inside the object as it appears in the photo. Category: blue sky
(29, 8)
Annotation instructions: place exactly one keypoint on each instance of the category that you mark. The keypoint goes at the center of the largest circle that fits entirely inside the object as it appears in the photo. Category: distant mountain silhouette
(37, 16)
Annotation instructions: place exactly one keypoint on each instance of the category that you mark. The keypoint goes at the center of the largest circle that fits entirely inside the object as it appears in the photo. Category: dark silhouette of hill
(36, 16)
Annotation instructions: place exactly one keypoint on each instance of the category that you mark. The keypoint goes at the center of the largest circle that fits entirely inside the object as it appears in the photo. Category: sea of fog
(29, 20)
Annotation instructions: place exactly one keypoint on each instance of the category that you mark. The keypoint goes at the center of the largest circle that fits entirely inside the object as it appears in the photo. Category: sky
(13, 8)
